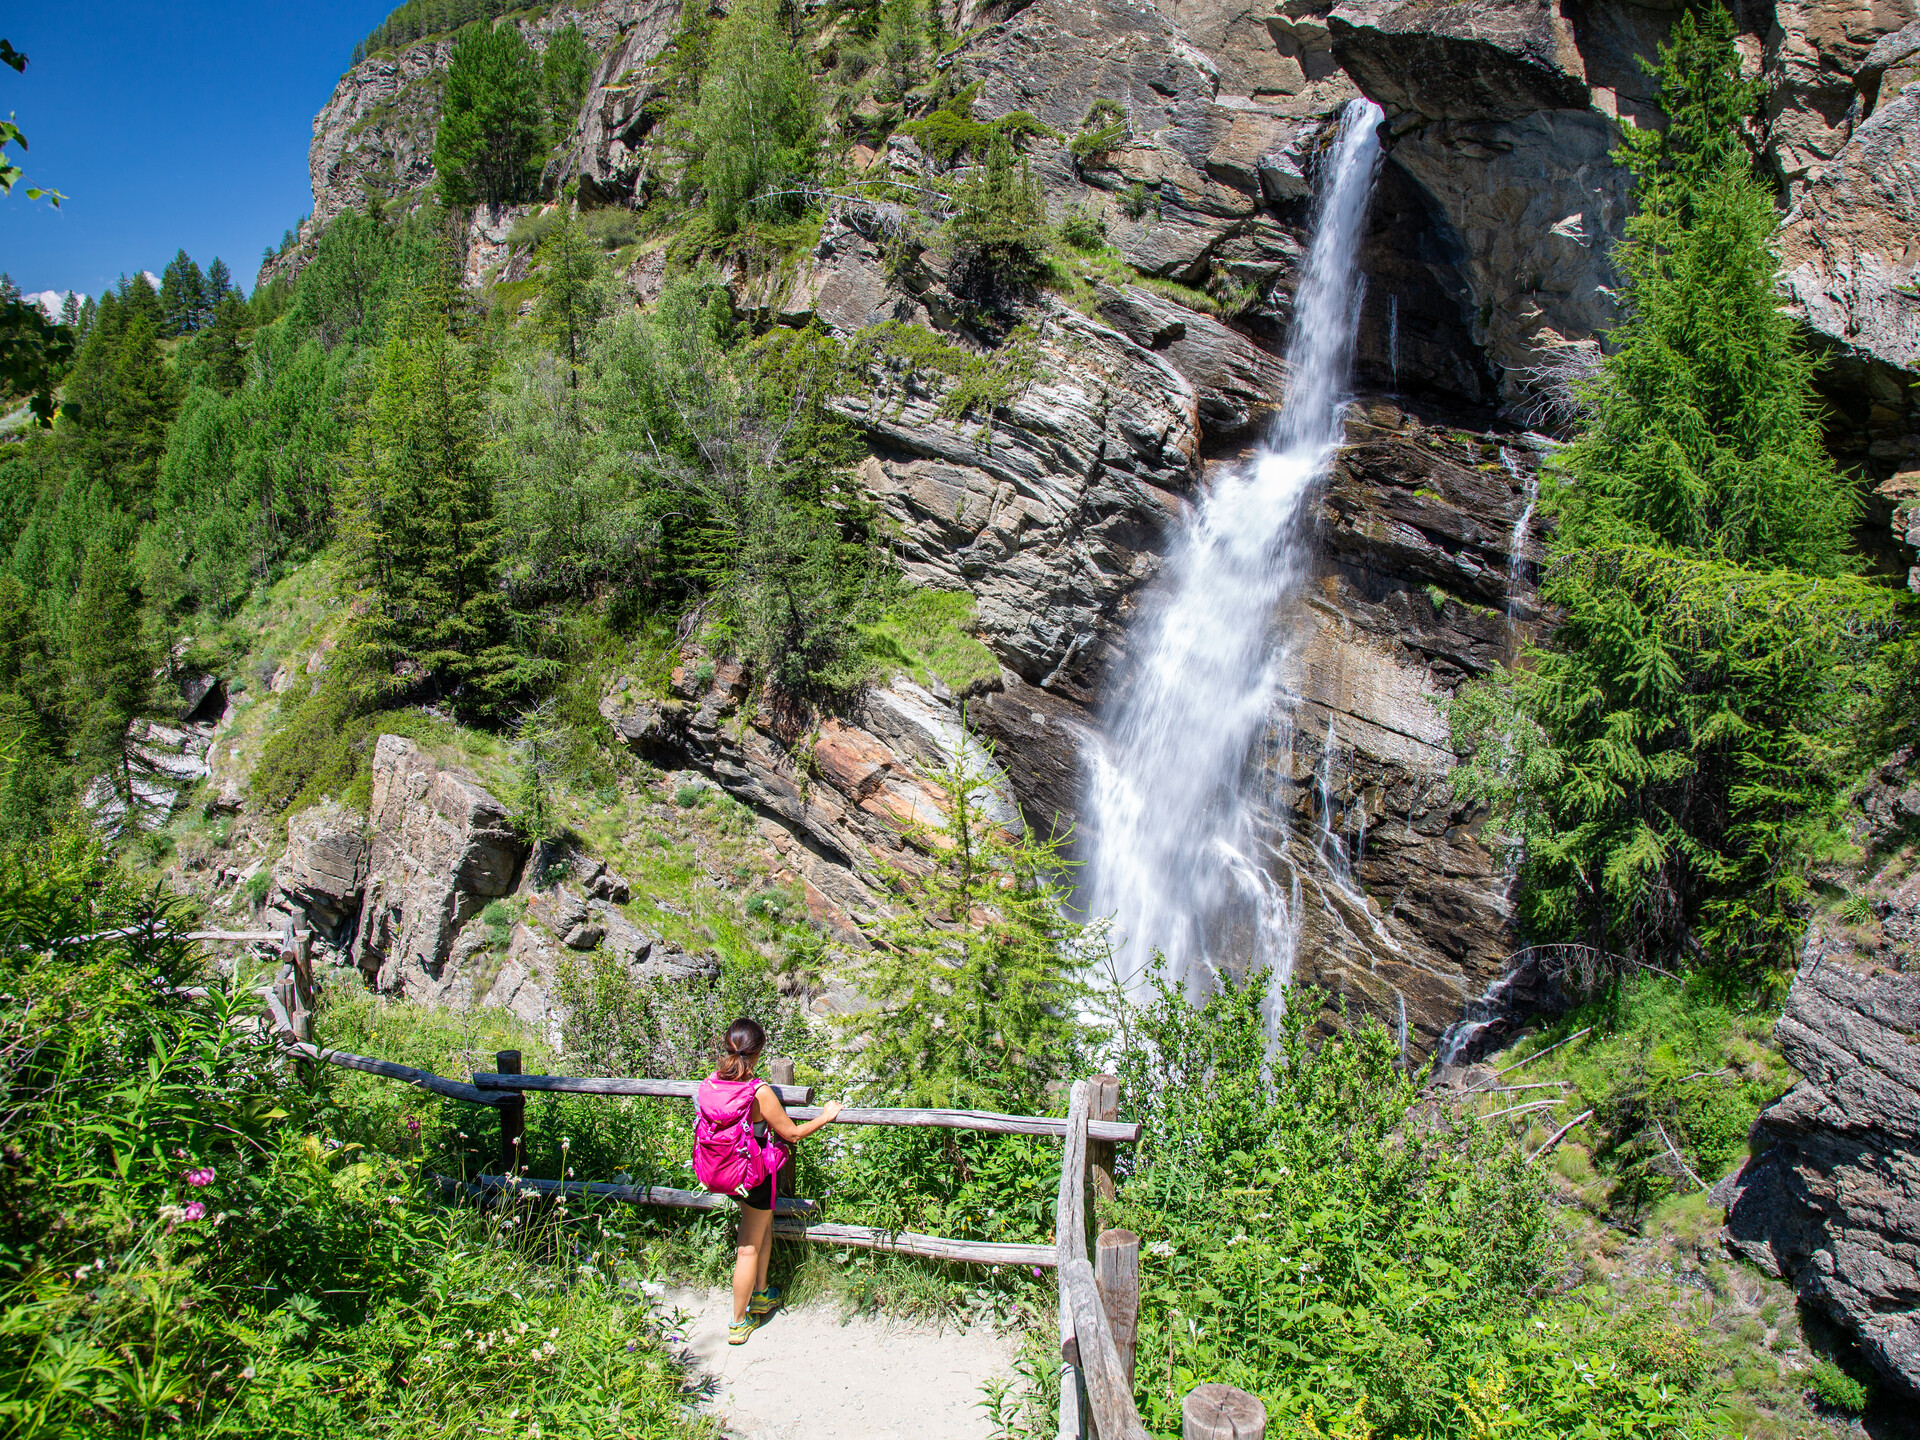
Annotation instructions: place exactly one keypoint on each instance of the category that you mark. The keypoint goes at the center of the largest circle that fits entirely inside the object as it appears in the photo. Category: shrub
(1083, 228)
(1836, 1389)
(688, 796)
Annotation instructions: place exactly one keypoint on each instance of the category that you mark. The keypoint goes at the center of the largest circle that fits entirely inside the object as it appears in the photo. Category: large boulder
(442, 848)
(320, 879)
(1832, 1199)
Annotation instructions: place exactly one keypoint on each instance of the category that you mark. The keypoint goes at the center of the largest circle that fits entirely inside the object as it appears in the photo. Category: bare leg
(750, 1260)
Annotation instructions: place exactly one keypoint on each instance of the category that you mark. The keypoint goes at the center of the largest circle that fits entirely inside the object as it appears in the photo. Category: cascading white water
(1182, 837)
(1517, 544)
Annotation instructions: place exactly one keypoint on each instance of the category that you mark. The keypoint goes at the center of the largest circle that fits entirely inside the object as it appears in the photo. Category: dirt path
(806, 1376)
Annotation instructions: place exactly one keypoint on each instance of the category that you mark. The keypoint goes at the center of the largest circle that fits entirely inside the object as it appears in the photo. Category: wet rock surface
(1832, 1198)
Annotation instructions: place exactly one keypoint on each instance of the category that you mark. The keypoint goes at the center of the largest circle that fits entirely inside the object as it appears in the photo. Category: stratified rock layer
(1832, 1199)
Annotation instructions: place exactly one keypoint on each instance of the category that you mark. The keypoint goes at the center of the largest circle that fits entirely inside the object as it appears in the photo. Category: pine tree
(183, 295)
(977, 983)
(89, 313)
(222, 347)
(70, 311)
(421, 538)
(492, 124)
(125, 396)
(574, 295)
(109, 666)
(999, 229)
(899, 41)
(219, 282)
(1669, 762)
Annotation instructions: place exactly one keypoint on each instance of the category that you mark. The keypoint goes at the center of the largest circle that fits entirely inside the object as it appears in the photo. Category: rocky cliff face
(1487, 265)
(1832, 1198)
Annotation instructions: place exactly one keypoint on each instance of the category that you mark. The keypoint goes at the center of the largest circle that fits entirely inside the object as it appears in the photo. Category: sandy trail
(806, 1376)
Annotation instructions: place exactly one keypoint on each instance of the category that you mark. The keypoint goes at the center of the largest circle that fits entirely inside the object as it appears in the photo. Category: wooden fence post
(1220, 1412)
(1116, 1271)
(513, 1116)
(780, 1070)
(1103, 1103)
(302, 1009)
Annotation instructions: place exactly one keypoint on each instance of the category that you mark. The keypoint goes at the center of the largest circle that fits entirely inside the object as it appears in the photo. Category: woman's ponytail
(739, 1048)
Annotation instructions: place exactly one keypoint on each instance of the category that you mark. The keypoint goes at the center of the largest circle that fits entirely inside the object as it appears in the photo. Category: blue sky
(166, 125)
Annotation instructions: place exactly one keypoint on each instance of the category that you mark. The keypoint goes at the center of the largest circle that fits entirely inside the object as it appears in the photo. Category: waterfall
(1517, 545)
(1186, 848)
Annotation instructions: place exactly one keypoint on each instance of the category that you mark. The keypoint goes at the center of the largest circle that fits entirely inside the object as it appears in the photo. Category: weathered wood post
(1220, 1412)
(513, 1116)
(1116, 1271)
(780, 1069)
(1103, 1103)
(300, 949)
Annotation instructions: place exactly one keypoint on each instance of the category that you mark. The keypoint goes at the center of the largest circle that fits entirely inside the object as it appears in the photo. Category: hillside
(1299, 557)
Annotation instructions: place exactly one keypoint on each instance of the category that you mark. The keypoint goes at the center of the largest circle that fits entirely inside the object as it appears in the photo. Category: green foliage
(184, 302)
(34, 353)
(566, 70)
(360, 271)
(1358, 1264)
(1667, 1067)
(978, 979)
(421, 541)
(982, 382)
(203, 1242)
(999, 228)
(124, 396)
(1104, 128)
(1836, 1389)
(930, 634)
(752, 135)
(493, 122)
(539, 746)
(1669, 765)
(110, 668)
(10, 173)
(574, 293)
(323, 746)
(1083, 229)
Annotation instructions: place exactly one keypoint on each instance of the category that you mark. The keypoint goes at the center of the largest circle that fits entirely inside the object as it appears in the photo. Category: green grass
(930, 633)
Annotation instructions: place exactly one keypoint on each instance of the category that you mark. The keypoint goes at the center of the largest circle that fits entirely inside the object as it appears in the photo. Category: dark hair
(739, 1047)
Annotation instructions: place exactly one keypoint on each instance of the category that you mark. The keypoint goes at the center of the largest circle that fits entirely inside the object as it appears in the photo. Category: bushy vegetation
(1669, 763)
(203, 1240)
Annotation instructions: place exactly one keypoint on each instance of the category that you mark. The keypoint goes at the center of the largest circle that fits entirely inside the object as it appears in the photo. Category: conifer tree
(492, 122)
(566, 70)
(222, 347)
(70, 311)
(219, 283)
(978, 983)
(574, 295)
(420, 535)
(109, 666)
(125, 396)
(183, 295)
(999, 229)
(1668, 763)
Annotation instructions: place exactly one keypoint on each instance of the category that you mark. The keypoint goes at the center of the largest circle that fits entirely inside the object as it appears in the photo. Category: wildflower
(1162, 1248)
(178, 1153)
(193, 1210)
(520, 1327)
(333, 1144)
(246, 1372)
(461, 1133)
(81, 1273)
(412, 1122)
(630, 1347)
(554, 1333)
(1036, 1272)
(200, 1178)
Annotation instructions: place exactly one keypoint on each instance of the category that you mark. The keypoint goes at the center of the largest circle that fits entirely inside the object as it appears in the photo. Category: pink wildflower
(193, 1210)
(413, 1124)
(202, 1176)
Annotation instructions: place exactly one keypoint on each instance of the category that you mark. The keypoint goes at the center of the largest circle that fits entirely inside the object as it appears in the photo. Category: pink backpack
(726, 1157)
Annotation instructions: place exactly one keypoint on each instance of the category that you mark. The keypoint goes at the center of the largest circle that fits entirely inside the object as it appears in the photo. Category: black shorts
(760, 1197)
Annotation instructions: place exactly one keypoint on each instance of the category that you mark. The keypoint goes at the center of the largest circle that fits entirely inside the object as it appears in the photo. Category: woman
(720, 1095)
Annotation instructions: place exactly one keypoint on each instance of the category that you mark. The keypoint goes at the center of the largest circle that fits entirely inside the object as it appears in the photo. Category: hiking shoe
(764, 1302)
(738, 1332)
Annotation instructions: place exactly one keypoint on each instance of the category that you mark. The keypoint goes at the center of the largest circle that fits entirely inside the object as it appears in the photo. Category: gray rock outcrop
(1832, 1198)
(321, 877)
(441, 849)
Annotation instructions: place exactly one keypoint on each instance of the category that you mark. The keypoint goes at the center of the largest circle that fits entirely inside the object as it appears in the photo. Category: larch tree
(492, 120)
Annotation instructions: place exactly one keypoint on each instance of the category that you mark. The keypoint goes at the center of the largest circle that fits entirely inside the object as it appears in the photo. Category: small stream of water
(1185, 844)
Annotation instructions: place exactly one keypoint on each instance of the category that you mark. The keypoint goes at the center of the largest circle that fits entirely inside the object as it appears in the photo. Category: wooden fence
(1099, 1283)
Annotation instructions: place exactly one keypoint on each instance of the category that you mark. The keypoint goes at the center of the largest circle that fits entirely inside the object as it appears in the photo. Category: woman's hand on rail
(775, 1114)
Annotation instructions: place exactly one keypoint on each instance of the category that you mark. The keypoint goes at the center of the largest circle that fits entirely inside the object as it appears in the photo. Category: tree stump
(1220, 1412)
